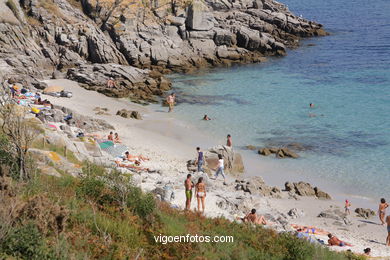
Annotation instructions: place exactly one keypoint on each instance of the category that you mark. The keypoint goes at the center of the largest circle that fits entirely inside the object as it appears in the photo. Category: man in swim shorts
(188, 185)
(334, 241)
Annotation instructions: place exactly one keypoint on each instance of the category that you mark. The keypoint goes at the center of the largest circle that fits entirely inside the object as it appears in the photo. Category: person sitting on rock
(110, 137)
(117, 140)
(111, 83)
(367, 251)
(334, 241)
(252, 217)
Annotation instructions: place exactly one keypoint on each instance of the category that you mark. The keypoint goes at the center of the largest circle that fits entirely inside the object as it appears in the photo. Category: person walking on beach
(220, 168)
(388, 231)
(171, 101)
(188, 185)
(347, 206)
(200, 160)
(200, 190)
(382, 210)
(229, 141)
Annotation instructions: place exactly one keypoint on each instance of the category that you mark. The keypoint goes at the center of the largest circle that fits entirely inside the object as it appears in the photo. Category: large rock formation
(91, 41)
(232, 160)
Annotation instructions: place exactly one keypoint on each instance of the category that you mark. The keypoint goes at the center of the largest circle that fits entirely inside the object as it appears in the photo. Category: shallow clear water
(347, 77)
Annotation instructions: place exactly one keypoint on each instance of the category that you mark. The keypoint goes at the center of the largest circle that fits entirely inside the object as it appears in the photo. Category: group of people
(200, 188)
(200, 191)
(114, 138)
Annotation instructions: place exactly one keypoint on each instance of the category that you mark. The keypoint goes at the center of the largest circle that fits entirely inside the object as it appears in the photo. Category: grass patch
(109, 218)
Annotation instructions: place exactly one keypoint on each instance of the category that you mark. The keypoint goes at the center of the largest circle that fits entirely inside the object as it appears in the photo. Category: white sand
(169, 144)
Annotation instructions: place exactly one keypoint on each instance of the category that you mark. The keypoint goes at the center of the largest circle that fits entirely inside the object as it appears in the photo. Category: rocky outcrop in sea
(135, 44)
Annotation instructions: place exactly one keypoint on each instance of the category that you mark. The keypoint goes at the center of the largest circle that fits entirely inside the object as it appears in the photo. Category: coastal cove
(266, 104)
(94, 164)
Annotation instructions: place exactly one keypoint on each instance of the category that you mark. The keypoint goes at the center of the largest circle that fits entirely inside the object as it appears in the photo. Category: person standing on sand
(200, 160)
(229, 141)
(220, 168)
(200, 190)
(171, 101)
(188, 185)
(382, 210)
(388, 231)
(347, 206)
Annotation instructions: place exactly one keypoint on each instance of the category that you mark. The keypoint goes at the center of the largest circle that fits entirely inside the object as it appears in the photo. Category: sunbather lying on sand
(130, 166)
(309, 229)
(334, 241)
(133, 158)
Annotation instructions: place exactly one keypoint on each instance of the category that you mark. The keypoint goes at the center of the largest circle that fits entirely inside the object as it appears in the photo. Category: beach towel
(106, 144)
(115, 150)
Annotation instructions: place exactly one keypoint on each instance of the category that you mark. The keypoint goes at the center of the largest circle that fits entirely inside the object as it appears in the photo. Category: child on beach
(347, 206)
(171, 101)
(382, 210)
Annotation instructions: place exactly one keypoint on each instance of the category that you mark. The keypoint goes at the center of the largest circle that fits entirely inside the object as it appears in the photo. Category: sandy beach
(169, 143)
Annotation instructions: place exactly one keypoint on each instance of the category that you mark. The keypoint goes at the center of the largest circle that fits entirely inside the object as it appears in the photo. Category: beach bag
(35, 110)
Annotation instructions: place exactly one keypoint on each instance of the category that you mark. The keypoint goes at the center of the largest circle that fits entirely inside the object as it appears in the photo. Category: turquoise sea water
(347, 77)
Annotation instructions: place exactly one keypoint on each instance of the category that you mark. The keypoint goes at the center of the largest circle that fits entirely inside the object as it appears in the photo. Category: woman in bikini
(382, 210)
(200, 190)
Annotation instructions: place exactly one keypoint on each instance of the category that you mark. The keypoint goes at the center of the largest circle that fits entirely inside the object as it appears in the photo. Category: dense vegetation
(103, 216)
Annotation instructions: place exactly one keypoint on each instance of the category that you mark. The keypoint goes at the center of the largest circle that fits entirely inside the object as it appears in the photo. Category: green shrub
(90, 188)
(91, 169)
(142, 204)
(26, 242)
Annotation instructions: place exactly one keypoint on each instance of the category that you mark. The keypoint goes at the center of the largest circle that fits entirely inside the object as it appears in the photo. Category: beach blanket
(106, 144)
(115, 150)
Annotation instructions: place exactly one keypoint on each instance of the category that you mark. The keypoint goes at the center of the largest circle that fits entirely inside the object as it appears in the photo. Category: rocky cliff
(137, 42)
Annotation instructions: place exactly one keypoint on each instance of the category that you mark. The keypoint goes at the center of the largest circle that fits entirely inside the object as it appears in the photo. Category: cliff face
(137, 42)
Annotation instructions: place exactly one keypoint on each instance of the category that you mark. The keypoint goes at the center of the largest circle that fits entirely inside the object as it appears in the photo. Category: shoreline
(170, 143)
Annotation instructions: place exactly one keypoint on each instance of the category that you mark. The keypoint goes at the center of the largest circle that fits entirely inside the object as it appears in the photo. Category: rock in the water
(288, 153)
(251, 147)
(264, 151)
